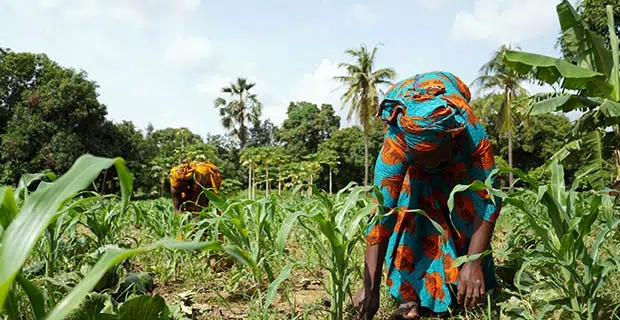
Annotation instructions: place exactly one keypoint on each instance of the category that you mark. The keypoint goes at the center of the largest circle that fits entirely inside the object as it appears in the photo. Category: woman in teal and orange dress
(433, 142)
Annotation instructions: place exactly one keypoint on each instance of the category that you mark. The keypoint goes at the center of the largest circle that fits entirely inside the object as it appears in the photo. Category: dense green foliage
(35, 138)
(71, 247)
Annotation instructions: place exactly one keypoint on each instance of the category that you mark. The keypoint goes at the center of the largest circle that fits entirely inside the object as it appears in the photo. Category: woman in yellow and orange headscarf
(187, 181)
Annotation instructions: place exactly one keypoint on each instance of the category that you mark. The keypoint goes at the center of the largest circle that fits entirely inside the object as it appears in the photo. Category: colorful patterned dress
(420, 113)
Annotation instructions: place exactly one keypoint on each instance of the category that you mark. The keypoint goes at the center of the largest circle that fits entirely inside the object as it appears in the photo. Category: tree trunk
(330, 180)
(254, 185)
(310, 187)
(267, 180)
(617, 153)
(509, 134)
(250, 183)
(365, 158)
(510, 177)
(103, 183)
(279, 187)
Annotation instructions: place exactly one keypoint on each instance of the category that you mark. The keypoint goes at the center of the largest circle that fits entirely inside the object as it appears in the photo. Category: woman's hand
(375, 255)
(369, 304)
(471, 284)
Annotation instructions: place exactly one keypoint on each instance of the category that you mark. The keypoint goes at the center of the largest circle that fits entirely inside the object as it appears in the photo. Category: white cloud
(319, 87)
(363, 13)
(188, 51)
(430, 5)
(502, 21)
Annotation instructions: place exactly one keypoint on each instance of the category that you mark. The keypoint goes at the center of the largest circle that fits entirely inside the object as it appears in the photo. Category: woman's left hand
(471, 284)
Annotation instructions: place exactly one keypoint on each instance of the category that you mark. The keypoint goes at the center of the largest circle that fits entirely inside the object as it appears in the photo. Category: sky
(165, 61)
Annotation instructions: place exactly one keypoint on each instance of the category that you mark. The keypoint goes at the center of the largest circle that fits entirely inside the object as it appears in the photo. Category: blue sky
(165, 61)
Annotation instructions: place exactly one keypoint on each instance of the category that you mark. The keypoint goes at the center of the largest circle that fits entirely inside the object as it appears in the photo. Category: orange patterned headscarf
(421, 106)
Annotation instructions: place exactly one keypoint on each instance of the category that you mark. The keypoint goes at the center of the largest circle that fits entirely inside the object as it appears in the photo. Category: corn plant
(250, 225)
(103, 218)
(336, 227)
(23, 226)
(159, 219)
(570, 263)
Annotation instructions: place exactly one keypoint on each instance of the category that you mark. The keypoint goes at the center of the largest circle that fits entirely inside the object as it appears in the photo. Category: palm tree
(241, 108)
(361, 81)
(495, 75)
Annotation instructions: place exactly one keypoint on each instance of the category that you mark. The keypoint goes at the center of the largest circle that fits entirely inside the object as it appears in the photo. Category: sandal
(405, 309)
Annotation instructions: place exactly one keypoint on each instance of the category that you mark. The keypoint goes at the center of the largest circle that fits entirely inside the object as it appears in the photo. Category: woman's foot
(408, 310)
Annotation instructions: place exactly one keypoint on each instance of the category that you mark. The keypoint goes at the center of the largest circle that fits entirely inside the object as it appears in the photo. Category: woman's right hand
(369, 304)
(375, 255)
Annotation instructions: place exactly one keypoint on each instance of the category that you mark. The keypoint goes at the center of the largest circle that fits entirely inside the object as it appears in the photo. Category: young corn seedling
(336, 227)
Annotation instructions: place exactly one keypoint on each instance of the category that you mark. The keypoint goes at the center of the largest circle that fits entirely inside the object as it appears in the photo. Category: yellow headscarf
(185, 171)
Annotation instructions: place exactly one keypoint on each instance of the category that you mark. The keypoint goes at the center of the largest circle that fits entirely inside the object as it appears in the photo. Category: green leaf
(272, 290)
(552, 70)
(356, 221)
(539, 228)
(469, 258)
(26, 180)
(8, 207)
(11, 307)
(474, 186)
(285, 229)
(558, 187)
(593, 153)
(242, 257)
(564, 103)
(113, 257)
(557, 215)
(517, 172)
(333, 236)
(37, 302)
(614, 78)
(218, 202)
(351, 201)
(564, 152)
(567, 249)
(93, 307)
(144, 307)
(597, 243)
(588, 219)
(610, 109)
(40, 208)
(586, 47)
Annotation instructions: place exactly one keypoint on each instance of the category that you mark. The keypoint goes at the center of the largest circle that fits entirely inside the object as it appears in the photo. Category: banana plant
(590, 83)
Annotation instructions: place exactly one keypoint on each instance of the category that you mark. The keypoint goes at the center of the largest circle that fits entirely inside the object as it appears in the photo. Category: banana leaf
(553, 70)
(586, 47)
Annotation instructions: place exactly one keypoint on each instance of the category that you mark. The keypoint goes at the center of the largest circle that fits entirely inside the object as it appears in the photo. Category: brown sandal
(405, 309)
